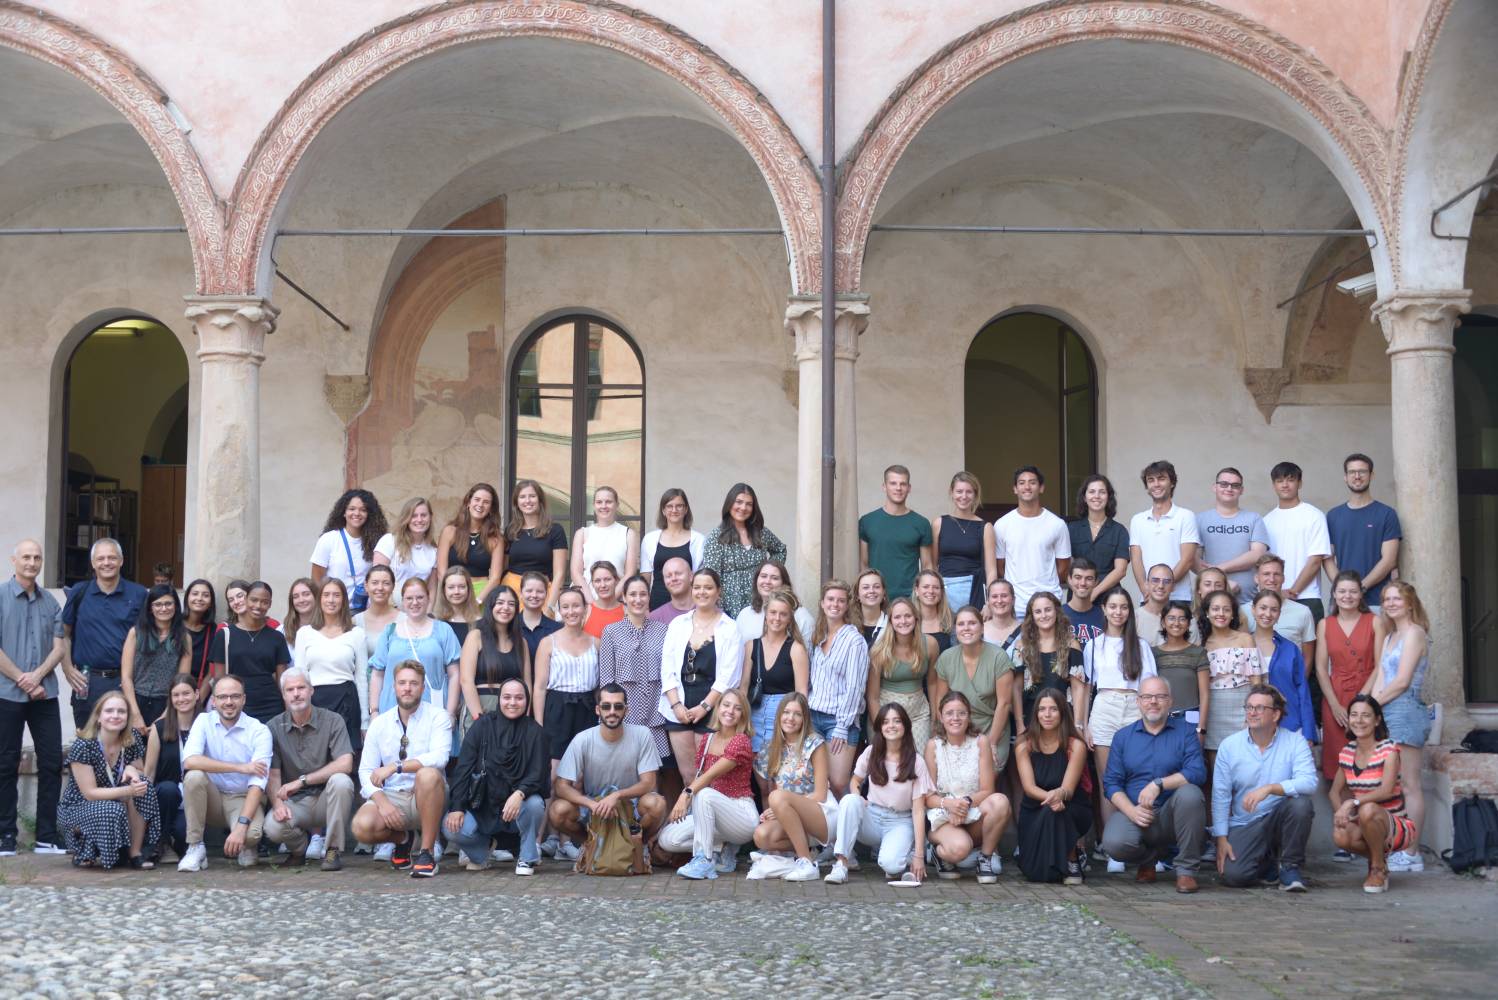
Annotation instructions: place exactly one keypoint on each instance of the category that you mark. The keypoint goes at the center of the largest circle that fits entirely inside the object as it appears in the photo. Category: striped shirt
(572, 674)
(838, 679)
(1362, 781)
(631, 658)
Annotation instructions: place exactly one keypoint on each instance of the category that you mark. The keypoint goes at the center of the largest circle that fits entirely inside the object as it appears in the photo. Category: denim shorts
(763, 718)
(1408, 720)
(823, 723)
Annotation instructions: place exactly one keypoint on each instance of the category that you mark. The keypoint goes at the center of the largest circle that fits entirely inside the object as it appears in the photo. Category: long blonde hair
(1411, 601)
(944, 615)
(777, 746)
(445, 611)
(90, 730)
(882, 654)
(404, 540)
(819, 631)
(746, 724)
(787, 597)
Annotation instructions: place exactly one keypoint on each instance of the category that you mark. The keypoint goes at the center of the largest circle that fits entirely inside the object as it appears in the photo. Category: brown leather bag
(615, 846)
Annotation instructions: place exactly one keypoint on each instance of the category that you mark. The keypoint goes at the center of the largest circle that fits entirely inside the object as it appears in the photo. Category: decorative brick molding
(378, 53)
(1190, 23)
(142, 102)
(1412, 88)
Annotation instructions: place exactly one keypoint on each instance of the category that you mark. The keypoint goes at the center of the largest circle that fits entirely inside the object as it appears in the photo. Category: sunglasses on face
(611, 706)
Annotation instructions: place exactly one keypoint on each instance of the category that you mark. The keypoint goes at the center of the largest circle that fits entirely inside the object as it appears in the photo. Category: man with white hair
(310, 786)
(99, 613)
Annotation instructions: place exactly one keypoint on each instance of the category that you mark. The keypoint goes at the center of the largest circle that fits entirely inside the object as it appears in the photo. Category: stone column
(803, 319)
(231, 347)
(1419, 326)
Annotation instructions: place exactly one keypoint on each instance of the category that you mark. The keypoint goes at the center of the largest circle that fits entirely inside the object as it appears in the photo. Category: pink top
(895, 795)
(1233, 666)
(734, 784)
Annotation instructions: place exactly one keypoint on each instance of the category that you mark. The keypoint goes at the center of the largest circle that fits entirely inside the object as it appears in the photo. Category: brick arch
(436, 276)
(262, 184)
(142, 103)
(1190, 23)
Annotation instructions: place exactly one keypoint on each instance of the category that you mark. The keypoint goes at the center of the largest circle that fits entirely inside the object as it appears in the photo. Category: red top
(734, 784)
(599, 619)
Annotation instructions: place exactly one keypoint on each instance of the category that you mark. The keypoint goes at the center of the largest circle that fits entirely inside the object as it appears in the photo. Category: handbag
(478, 781)
(757, 679)
(358, 598)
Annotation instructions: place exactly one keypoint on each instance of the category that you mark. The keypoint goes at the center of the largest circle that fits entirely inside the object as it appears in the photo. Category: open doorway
(124, 446)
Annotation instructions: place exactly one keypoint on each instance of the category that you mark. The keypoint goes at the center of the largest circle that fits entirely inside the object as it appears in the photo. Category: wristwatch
(242, 820)
(1159, 784)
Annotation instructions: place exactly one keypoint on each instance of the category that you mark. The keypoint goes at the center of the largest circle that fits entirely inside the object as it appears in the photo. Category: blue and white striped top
(838, 679)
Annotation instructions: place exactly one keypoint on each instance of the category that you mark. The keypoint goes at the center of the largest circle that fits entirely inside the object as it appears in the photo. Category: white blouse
(1102, 664)
(337, 660)
(728, 655)
(419, 567)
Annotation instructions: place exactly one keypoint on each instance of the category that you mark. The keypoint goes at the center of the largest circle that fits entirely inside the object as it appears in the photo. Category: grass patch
(996, 962)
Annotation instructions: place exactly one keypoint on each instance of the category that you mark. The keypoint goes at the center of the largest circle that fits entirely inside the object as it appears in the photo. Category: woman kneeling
(719, 798)
(965, 811)
(890, 820)
(801, 809)
(1052, 760)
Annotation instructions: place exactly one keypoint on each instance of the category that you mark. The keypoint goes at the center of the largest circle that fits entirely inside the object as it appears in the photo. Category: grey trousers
(1280, 835)
(1182, 822)
(329, 808)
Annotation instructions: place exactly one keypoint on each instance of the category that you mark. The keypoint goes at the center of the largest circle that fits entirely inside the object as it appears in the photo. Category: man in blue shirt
(1154, 778)
(1365, 534)
(1262, 785)
(97, 617)
(30, 651)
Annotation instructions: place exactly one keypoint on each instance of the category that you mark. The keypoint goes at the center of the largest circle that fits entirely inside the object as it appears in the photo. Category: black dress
(658, 593)
(198, 664)
(98, 830)
(1046, 837)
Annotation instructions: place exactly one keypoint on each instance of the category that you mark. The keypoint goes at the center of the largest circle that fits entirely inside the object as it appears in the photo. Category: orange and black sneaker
(400, 859)
(425, 865)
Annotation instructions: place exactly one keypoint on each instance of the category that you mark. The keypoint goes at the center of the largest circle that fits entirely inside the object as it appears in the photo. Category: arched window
(1030, 398)
(577, 417)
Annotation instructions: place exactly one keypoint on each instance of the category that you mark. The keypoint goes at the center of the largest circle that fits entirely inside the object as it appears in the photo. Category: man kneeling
(401, 774)
(611, 766)
(1262, 785)
(310, 787)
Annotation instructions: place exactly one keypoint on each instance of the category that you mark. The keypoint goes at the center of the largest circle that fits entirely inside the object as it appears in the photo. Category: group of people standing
(493, 685)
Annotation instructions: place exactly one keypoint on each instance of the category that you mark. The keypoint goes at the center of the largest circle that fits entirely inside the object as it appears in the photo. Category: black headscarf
(507, 755)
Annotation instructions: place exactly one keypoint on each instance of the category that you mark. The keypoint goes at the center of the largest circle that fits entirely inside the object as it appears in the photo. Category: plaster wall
(230, 92)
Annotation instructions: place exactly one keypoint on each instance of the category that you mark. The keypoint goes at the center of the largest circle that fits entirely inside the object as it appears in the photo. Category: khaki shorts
(405, 801)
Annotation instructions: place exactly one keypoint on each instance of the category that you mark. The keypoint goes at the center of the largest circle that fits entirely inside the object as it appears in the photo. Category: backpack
(1481, 741)
(615, 846)
(1474, 835)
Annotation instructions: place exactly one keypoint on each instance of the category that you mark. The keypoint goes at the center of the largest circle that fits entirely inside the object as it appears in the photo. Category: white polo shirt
(1160, 539)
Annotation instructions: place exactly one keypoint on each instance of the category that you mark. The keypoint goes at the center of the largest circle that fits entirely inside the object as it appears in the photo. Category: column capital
(803, 320)
(231, 327)
(1421, 321)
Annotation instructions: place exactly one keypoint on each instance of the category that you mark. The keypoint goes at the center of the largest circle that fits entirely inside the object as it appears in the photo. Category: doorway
(124, 446)
(1032, 373)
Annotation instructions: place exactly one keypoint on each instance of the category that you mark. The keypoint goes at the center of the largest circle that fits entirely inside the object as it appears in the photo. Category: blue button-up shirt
(101, 621)
(29, 624)
(1241, 767)
(1287, 671)
(1139, 757)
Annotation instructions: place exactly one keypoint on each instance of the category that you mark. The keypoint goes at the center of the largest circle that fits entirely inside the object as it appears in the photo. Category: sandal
(141, 862)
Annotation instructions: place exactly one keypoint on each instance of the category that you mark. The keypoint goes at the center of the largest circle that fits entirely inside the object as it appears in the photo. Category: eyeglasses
(1256, 709)
(1153, 697)
(1224, 485)
(1162, 581)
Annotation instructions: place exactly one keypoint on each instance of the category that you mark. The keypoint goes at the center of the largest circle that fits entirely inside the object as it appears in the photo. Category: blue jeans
(886, 830)
(959, 591)
(173, 817)
(527, 824)
(764, 720)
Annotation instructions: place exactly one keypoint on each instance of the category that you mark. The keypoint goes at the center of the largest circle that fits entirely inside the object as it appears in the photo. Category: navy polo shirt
(101, 621)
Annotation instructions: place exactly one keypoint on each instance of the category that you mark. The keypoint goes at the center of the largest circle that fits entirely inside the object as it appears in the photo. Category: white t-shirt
(1159, 540)
(1030, 547)
(1102, 664)
(1296, 622)
(751, 624)
(329, 554)
(1295, 535)
(423, 560)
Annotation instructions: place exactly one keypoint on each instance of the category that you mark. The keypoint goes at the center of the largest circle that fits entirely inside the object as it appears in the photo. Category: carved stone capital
(803, 320)
(1266, 384)
(1420, 321)
(231, 329)
(346, 395)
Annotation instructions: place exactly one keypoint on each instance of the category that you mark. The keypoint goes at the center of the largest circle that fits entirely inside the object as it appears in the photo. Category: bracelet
(676, 704)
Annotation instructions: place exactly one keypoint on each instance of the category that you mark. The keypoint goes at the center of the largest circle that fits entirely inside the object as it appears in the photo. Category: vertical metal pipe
(829, 282)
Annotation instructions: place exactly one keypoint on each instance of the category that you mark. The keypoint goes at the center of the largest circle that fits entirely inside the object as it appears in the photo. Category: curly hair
(374, 528)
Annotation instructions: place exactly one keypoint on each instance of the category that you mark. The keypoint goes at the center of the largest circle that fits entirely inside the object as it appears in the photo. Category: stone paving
(371, 932)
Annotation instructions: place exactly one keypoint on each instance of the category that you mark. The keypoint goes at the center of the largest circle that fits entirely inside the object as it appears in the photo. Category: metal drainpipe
(829, 281)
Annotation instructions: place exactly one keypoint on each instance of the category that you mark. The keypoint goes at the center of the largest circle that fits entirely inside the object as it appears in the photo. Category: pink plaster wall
(230, 66)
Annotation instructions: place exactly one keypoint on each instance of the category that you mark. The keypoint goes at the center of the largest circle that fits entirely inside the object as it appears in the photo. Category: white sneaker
(248, 857)
(1163, 867)
(42, 847)
(802, 870)
(463, 859)
(838, 875)
(568, 850)
(384, 852)
(1116, 867)
(1405, 861)
(195, 860)
(523, 868)
(317, 847)
(504, 857)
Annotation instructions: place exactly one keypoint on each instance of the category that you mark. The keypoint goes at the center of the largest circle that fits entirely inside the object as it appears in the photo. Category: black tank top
(780, 676)
(960, 544)
(476, 558)
(658, 593)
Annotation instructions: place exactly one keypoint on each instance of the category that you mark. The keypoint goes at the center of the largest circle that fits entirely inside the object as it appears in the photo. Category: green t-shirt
(895, 546)
(982, 697)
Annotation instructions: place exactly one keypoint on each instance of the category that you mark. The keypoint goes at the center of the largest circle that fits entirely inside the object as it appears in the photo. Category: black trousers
(41, 717)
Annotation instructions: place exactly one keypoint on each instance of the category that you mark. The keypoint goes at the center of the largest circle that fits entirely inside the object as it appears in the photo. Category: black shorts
(567, 713)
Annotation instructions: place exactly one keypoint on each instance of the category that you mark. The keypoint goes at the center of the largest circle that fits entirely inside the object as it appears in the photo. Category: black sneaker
(425, 866)
(1074, 870)
(400, 859)
(8, 846)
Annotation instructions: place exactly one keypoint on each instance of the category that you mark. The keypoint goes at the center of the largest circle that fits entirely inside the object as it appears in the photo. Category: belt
(93, 671)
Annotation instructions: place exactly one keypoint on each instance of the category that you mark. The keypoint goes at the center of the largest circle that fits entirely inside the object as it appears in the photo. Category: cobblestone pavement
(370, 932)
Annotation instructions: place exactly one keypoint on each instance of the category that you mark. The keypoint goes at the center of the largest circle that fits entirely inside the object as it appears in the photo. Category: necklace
(962, 528)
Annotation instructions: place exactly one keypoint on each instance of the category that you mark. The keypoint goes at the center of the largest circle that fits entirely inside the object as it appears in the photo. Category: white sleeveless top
(610, 544)
(957, 771)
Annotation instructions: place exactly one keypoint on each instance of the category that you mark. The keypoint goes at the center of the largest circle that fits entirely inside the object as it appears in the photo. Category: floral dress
(99, 829)
(737, 564)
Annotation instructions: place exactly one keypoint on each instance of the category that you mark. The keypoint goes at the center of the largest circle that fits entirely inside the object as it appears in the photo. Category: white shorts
(1111, 711)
